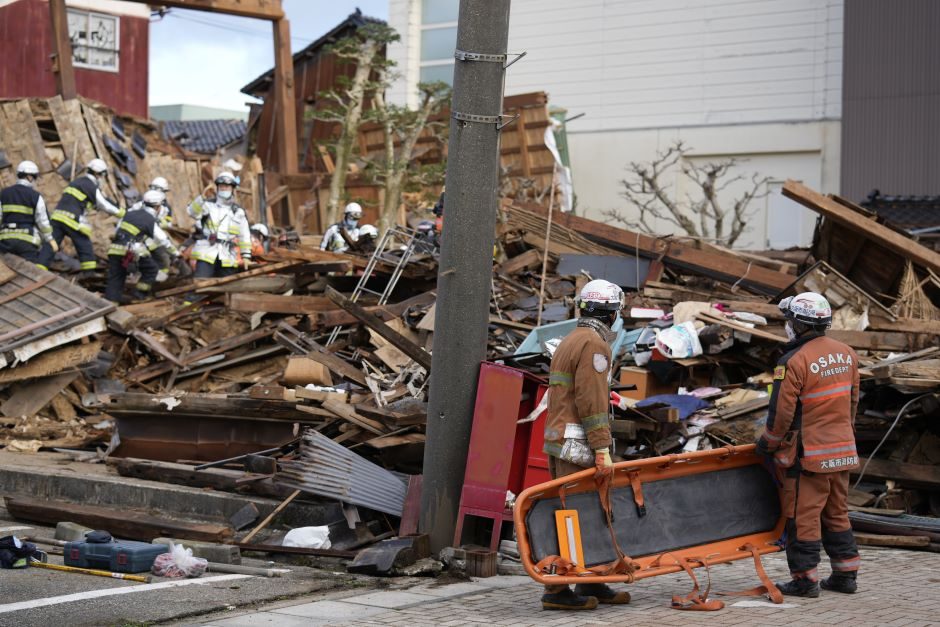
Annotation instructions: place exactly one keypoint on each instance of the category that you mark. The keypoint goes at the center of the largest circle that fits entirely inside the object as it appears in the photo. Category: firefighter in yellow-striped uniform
(24, 222)
(129, 244)
(223, 234)
(69, 218)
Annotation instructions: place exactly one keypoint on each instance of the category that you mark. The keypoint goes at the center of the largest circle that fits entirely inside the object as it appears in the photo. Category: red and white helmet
(809, 308)
(600, 295)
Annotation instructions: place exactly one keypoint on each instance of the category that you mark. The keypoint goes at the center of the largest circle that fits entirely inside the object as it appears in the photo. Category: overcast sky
(205, 59)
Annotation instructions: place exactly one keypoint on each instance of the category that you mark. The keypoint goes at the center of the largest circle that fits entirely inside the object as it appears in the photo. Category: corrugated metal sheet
(891, 98)
(36, 305)
(328, 469)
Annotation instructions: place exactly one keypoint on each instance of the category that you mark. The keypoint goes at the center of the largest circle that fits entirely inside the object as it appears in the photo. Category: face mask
(788, 327)
(352, 222)
(225, 195)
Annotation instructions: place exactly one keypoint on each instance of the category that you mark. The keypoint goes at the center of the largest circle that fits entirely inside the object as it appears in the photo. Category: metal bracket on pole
(498, 120)
(518, 56)
(463, 55)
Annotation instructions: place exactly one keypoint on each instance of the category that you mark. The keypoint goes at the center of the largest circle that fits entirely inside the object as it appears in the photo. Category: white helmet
(27, 168)
(154, 197)
(809, 308)
(97, 167)
(261, 229)
(600, 295)
(160, 184)
(367, 230)
(226, 178)
(353, 209)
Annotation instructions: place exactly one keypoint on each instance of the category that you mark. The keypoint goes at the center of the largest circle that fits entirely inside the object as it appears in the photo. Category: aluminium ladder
(385, 252)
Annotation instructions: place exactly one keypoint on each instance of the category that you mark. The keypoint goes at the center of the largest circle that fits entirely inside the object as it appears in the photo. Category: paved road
(44, 598)
(896, 588)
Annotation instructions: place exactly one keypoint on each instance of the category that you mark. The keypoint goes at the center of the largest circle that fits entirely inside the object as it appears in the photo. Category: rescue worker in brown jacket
(577, 428)
(811, 434)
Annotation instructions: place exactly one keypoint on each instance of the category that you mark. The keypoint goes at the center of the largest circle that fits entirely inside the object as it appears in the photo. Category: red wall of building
(26, 69)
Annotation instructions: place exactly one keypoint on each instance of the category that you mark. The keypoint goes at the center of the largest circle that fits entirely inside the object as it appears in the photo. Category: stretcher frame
(650, 470)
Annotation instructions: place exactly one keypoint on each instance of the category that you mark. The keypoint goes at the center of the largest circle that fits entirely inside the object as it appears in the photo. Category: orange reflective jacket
(813, 405)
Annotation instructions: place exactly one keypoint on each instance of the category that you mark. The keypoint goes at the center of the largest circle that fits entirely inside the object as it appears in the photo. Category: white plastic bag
(308, 538)
(179, 562)
(679, 341)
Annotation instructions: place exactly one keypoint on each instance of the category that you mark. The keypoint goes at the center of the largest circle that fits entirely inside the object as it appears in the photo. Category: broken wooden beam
(221, 479)
(852, 220)
(346, 412)
(879, 539)
(340, 317)
(146, 373)
(725, 267)
(396, 339)
(276, 303)
(121, 522)
(200, 285)
(337, 365)
(913, 475)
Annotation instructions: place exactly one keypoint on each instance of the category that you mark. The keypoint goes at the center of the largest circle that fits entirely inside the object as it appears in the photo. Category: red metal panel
(536, 468)
(25, 46)
(492, 438)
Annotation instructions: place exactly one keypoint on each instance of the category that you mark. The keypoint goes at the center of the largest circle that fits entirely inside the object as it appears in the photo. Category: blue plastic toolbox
(118, 556)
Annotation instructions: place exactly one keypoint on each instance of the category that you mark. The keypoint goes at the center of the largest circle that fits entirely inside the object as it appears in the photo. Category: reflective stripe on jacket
(226, 233)
(23, 214)
(812, 406)
(579, 390)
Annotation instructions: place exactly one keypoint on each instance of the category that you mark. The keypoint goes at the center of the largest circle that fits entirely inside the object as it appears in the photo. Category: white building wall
(759, 80)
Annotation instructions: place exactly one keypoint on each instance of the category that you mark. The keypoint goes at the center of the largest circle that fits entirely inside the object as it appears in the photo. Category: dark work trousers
(20, 248)
(816, 506)
(161, 257)
(117, 275)
(206, 270)
(560, 468)
(82, 243)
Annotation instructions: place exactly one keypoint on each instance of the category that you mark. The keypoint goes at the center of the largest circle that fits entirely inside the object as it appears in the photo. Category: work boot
(801, 587)
(603, 593)
(845, 584)
(567, 600)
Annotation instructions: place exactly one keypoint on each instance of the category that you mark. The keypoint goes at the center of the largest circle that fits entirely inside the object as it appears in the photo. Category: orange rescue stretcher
(653, 517)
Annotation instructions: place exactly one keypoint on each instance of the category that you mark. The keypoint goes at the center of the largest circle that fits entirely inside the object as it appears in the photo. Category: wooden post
(548, 240)
(62, 52)
(285, 116)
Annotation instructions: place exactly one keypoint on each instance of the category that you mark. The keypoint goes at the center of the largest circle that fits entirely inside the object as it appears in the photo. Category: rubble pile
(321, 354)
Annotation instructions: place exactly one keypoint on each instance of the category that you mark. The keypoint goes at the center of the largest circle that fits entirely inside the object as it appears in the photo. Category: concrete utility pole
(461, 316)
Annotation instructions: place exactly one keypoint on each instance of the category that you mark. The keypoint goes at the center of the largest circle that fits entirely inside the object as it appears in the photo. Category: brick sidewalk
(895, 588)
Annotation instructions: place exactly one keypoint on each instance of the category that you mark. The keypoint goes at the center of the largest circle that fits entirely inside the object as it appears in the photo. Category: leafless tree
(703, 215)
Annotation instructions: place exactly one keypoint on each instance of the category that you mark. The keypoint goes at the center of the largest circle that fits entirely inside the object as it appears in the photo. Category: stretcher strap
(623, 565)
(767, 586)
(603, 478)
(637, 492)
(695, 601)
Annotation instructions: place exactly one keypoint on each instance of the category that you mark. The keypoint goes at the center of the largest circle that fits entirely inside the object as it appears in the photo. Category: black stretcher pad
(682, 512)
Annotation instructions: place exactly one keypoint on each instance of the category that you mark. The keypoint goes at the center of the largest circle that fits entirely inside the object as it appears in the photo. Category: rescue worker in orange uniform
(577, 427)
(811, 434)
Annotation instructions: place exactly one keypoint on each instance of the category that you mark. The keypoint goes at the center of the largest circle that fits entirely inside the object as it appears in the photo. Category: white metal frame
(88, 15)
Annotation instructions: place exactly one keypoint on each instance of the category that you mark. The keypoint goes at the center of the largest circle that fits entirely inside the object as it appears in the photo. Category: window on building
(438, 40)
(94, 38)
